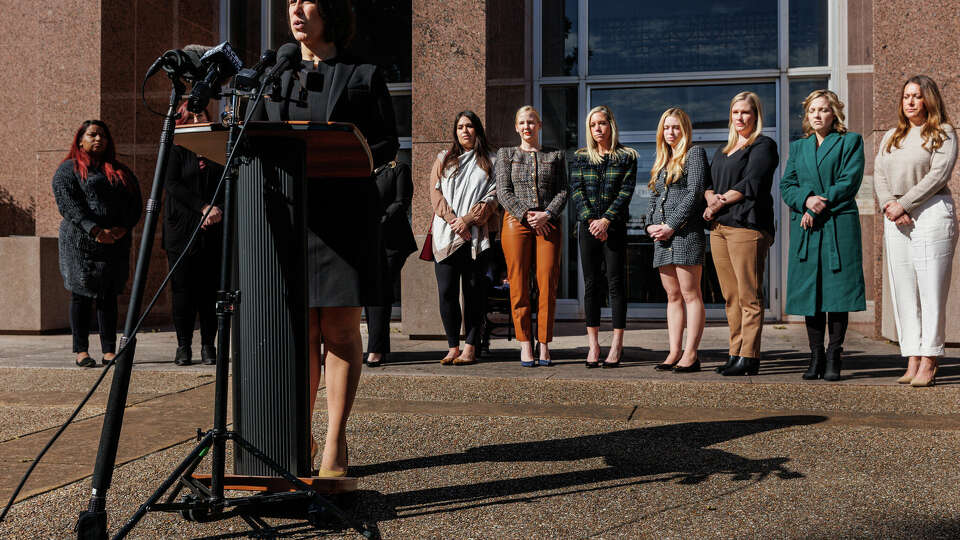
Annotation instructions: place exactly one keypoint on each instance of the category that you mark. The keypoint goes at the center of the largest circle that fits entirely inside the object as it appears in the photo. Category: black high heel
(613, 364)
(692, 368)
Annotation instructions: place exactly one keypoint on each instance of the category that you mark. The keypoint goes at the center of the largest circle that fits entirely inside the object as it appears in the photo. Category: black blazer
(357, 93)
(188, 190)
(395, 186)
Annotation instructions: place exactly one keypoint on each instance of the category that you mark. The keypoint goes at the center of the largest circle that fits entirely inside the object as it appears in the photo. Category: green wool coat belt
(825, 262)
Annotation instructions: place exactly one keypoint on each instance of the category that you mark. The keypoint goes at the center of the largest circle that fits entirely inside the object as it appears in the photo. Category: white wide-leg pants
(919, 261)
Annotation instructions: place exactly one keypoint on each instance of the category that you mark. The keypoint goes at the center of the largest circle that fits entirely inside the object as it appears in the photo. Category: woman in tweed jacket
(674, 223)
(99, 200)
(602, 180)
(532, 187)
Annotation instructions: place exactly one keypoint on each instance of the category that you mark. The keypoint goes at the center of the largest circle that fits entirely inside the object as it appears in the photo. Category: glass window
(384, 34)
(639, 109)
(560, 117)
(799, 90)
(244, 32)
(560, 124)
(403, 112)
(808, 33)
(682, 35)
(559, 37)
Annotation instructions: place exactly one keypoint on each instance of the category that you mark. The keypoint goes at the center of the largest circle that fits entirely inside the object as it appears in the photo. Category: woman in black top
(99, 199)
(190, 183)
(345, 255)
(740, 210)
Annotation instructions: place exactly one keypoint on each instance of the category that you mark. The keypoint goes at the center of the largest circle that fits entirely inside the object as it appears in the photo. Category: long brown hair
(482, 147)
(673, 160)
(83, 162)
(933, 133)
(757, 107)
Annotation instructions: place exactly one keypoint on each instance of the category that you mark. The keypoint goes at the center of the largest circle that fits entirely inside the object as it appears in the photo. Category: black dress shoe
(208, 355)
(743, 366)
(606, 364)
(730, 360)
(383, 359)
(692, 368)
(183, 356)
(818, 362)
(663, 367)
(591, 365)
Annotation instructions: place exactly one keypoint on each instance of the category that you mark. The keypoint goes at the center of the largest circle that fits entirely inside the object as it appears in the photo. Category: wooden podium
(270, 325)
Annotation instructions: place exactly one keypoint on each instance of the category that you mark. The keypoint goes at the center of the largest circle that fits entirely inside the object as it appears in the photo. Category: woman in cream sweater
(911, 172)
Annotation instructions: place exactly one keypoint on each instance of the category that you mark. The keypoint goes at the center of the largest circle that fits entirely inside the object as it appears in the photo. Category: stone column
(449, 75)
(931, 49)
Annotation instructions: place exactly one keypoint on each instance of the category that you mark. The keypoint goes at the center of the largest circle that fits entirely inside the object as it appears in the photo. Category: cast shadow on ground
(633, 456)
(630, 457)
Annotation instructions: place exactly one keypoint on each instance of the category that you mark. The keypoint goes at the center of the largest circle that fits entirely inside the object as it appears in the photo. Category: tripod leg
(324, 503)
(189, 461)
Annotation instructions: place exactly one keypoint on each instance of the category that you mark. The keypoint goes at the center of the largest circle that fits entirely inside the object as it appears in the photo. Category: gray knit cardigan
(90, 268)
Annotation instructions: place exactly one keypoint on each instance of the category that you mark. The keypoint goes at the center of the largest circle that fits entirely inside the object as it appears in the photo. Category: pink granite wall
(449, 75)
(92, 69)
(916, 38)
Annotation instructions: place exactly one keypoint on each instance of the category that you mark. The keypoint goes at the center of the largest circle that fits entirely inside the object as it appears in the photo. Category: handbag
(426, 254)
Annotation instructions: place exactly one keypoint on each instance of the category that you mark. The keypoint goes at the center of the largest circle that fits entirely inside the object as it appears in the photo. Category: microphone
(288, 57)
(221, 63)
(248, 78)
(180, 62)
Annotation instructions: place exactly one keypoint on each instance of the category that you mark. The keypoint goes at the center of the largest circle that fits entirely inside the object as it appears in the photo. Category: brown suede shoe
(447, 361)
(465, 360)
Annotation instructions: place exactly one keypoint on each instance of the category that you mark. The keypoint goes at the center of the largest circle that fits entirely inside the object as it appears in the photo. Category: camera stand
(206, 501)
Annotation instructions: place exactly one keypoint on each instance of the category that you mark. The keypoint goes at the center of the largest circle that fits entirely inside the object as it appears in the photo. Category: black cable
(143, 96)
(143, 316)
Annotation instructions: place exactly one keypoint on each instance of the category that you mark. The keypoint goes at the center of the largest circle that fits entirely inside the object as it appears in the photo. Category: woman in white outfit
(464, 199)
(912, 169)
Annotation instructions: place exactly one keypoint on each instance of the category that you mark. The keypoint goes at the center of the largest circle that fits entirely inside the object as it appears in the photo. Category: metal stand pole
(92, 524)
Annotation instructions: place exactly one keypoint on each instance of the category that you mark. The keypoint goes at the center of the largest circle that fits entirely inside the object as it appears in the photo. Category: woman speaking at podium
(344, 252)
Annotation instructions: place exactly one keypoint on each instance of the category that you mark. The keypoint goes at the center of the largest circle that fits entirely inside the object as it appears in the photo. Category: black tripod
(203, 503)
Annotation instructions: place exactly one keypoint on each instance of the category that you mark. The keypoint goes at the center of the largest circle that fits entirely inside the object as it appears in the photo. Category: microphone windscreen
(289, 53)
(198, 49)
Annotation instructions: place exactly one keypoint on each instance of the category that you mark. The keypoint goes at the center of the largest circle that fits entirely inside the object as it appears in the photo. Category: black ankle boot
(208, 355)
(743, 366)
(183, 357)
(818, 360)
(832, 371)
(730, 360)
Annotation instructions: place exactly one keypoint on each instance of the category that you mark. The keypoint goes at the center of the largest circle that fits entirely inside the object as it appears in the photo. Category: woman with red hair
(99, 199)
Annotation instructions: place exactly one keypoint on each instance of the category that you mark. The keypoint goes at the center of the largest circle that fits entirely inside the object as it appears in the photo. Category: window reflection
(559, 37)
(639, 109)
(808, 33)
(682, 35)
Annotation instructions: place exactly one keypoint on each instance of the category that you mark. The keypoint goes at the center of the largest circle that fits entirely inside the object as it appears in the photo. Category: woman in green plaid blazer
(602, 179)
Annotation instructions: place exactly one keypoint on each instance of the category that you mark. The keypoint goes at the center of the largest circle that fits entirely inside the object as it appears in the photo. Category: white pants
(919, 260)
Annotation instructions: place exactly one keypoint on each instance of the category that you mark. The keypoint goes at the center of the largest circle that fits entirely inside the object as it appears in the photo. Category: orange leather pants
(522, 248)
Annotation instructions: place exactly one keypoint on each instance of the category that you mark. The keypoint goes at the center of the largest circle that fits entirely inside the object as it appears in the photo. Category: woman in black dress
(99, 199)
(344, 252)
(190, 183)
(395, 186)
(740, 212)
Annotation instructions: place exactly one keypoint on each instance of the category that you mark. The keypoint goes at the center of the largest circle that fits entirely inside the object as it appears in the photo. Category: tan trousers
(739, 255)
(520, 245)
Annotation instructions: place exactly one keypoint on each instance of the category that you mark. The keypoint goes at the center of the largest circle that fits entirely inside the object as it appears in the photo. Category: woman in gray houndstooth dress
(674, 223)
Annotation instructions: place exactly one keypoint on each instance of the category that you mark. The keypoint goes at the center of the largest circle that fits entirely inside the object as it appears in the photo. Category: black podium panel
(270, 367)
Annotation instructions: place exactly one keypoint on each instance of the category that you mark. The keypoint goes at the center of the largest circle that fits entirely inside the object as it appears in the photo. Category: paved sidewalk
(494, 450)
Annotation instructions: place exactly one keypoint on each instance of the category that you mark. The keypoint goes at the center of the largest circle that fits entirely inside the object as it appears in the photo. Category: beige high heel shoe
(917, 383)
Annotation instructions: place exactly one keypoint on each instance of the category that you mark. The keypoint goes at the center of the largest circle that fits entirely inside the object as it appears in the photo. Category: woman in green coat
(825, 266)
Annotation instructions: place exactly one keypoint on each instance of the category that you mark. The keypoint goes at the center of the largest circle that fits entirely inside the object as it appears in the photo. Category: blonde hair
(757, 106)
(933, 133)
(526, 109)
(616, 149)
(670, 158)
(836, 106)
